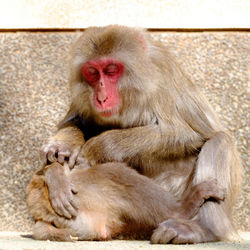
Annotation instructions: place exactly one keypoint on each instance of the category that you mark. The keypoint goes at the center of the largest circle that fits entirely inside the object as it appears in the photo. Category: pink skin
(103, 76)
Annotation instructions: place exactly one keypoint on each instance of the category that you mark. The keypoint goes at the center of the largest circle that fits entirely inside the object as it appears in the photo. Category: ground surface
(12, 240)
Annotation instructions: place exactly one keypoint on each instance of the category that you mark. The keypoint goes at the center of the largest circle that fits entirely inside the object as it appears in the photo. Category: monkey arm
(63, 147)
(140, 143)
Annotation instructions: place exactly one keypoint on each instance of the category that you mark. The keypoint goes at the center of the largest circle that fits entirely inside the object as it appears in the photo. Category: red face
(103, 77)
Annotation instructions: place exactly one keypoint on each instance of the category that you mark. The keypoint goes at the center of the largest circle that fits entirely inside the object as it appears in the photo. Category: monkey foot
(176, 232)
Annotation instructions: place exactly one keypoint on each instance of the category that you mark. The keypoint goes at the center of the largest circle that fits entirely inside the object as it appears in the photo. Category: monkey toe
(162, 235)
(217, 191)
(212, 190)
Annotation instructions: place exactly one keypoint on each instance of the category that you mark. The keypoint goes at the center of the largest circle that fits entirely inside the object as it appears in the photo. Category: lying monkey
(114, 202)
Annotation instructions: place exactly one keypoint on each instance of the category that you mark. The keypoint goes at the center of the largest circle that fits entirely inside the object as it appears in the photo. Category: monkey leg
(114, 201)
(217, 160)
(122, 202)
(46, 231)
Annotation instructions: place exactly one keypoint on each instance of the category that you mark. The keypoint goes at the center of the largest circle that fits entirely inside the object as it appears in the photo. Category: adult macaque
(132, 103)
(114, 202)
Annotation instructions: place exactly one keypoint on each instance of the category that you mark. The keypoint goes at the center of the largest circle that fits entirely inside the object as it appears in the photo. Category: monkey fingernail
(74, 190)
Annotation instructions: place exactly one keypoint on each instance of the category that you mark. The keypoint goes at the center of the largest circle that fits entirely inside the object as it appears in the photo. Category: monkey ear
(140, 37)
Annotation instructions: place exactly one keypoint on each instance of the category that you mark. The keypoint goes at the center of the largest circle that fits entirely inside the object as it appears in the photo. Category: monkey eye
(111, 69)
(93, 71)
(90, 73)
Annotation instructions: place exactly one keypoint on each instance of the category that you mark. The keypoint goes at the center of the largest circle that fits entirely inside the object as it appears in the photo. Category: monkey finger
(75, 205)
(73, 156)
(65, 213)
(43, 153)
(73, 200)
(51, 155)
(61, 159)
(60, 209)
(62, 155)
(69, 209)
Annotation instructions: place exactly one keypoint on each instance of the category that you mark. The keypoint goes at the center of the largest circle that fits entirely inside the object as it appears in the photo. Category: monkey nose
(102, 101)
(102, 97)
(101, 94)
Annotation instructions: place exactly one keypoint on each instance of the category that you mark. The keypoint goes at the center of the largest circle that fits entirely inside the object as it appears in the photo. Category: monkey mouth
(108, 113)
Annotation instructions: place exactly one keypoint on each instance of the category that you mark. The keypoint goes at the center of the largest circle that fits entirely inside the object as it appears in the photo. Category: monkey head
(110, 67)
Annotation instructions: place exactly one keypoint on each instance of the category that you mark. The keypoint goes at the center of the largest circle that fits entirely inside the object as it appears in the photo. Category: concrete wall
(144, 13)
(34, 97)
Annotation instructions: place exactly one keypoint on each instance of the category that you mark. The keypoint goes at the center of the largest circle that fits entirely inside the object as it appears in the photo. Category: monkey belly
(88, 226)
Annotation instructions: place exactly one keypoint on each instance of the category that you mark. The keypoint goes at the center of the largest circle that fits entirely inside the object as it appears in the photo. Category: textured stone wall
(34, 97)
(143, 13)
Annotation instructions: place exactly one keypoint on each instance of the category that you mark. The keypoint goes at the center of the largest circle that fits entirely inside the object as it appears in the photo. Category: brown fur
(165, 128)
(114, 202)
